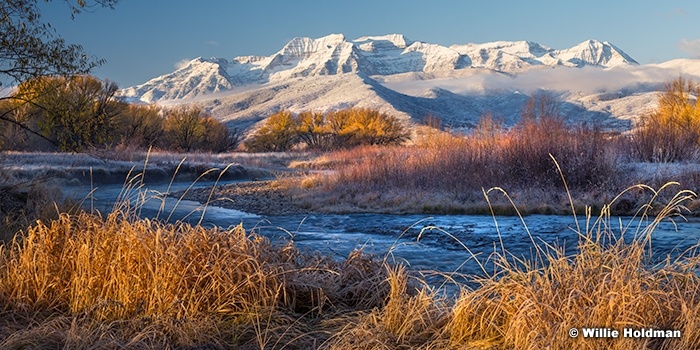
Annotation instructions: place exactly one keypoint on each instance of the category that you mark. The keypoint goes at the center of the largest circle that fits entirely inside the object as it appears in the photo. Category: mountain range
(593, 81)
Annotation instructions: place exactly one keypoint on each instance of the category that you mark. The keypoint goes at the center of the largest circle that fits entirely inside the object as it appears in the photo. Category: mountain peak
(306, 45)
(398, 40)
(595, 52)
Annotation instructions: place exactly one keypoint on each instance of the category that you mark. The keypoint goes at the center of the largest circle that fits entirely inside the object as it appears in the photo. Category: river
(455, 245)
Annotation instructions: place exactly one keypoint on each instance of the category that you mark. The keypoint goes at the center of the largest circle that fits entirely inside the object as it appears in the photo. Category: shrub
(313, 130)
(491, 155)
(183, 127)
(140, 126)
(218, 137)
(370, 127)
(188, 128)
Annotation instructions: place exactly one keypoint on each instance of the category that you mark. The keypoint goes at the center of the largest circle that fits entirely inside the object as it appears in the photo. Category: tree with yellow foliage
(370, 127)
(312, 129)
(333, 130)
(74, 113)
(277, 134)
(672, 132)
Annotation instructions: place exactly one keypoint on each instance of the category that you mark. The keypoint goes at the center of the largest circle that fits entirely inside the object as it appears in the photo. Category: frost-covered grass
(114, 167)
(130, 159)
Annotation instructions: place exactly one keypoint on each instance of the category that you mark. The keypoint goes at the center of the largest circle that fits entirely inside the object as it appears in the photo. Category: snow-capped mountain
(369, 55)
(593, 81)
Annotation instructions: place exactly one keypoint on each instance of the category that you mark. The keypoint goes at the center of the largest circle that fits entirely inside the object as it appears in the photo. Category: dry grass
(116, 280)
(532, 304)
(607, 284)
(444, 173)
(86, 281)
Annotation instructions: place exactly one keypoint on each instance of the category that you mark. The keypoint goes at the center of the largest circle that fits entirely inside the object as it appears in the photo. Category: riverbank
(153, 167)
(33, 184)
(306, 194)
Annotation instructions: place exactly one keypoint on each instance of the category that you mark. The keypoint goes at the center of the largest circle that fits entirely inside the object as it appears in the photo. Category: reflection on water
(444, 243)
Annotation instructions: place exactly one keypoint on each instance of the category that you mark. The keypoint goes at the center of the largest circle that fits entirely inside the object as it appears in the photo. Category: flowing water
(439, 245)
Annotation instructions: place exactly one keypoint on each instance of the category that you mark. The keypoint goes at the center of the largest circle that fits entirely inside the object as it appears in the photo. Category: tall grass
(175, 285)
(610, 282)
(87, 281)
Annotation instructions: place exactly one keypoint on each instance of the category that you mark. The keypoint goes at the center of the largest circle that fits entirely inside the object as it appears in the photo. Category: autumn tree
(12, 136)
(74, 112)
(30, 47)
(312, 130)
(277, 134)
(371, 127)
(183, 127)
(335, 129)
(218, 137)
(672, 131)
(140, 126)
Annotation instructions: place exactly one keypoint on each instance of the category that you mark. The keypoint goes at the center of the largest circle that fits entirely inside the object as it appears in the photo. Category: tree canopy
(672, 132)
(30, 47)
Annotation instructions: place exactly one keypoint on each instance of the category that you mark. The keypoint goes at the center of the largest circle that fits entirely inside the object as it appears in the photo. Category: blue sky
(143, 39)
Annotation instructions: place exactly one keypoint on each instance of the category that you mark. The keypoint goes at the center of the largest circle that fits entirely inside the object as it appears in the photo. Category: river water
(453, 245)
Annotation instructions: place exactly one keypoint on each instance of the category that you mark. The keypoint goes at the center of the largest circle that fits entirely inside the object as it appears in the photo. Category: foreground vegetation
(85, 281)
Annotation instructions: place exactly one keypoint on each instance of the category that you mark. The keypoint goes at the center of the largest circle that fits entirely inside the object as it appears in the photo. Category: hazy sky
(141, 39)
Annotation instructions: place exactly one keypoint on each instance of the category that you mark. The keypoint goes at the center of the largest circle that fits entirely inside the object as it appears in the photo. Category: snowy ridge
(370, 55)
(199, 76)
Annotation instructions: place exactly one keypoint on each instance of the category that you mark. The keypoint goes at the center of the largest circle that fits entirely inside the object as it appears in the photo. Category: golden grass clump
(608, 283)
(120, 280)
(117, 268)
(411, 318)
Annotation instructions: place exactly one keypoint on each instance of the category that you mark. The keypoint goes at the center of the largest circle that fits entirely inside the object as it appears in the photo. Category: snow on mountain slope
(245, 109)
(514, 56)
(199, 76)
(685, 66)
(319, 93)
(395, 54)
(593, 52)
(370, 55)
(508, 56)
